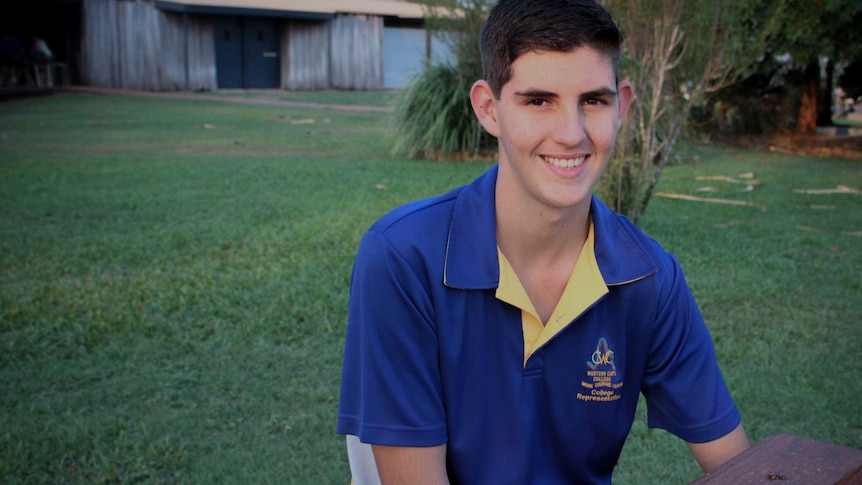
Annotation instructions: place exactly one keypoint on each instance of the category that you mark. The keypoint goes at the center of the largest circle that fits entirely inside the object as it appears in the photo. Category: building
(164, 45)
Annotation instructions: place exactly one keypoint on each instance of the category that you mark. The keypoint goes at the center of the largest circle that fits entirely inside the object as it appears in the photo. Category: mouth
(565, 162)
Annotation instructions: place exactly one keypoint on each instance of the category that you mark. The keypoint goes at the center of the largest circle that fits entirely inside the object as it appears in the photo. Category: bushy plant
(433, 118)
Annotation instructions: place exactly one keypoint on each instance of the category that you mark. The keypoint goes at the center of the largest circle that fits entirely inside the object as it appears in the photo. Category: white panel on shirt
(362, 465)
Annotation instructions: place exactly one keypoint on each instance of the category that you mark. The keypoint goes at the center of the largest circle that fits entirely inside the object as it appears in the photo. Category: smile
(565, 162)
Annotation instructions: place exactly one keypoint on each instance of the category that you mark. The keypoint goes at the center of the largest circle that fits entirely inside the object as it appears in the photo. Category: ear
(485, 106)
(625, 96)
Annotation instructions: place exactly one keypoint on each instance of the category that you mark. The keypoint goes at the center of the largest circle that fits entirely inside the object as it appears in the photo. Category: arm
(400, 465)
(714, 453)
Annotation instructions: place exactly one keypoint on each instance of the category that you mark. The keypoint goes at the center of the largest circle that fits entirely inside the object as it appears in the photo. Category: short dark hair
(516, 27)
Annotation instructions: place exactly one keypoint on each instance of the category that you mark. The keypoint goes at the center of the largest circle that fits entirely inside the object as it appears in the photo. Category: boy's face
(556, 123)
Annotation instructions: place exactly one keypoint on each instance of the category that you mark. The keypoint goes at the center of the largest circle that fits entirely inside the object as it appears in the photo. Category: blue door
(247, 52)
(228, 46)
(260, 53)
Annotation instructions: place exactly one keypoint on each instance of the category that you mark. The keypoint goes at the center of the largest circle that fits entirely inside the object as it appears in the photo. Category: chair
(42, 73)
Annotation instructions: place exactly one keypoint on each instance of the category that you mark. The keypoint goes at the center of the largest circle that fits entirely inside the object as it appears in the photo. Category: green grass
(370, 98)
(174, 277)
(846, 122)
(780, 289)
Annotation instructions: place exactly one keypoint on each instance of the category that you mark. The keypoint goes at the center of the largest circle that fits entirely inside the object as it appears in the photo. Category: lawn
(369, 98)
(174, 279)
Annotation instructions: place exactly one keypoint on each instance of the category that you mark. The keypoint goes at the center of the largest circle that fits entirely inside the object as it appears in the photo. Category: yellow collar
(585, 287)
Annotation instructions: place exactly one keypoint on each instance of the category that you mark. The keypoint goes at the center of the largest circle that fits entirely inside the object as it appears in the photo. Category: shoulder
(414, 233)
(417, 214)
(626, 253)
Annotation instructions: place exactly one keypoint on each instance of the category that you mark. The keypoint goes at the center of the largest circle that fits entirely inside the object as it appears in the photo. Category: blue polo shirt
(444, 347)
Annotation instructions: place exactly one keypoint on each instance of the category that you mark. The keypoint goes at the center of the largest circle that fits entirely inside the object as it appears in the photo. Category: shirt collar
(471, 252)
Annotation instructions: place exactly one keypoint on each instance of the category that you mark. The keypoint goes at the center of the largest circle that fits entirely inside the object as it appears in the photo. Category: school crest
(601, 381)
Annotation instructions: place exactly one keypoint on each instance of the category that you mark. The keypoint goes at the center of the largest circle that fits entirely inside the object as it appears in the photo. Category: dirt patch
(822, 146)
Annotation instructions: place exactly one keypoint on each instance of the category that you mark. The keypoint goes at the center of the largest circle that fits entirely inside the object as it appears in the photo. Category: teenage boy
(501, 333)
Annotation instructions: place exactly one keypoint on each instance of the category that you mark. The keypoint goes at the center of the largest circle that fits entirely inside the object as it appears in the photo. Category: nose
(570, 127)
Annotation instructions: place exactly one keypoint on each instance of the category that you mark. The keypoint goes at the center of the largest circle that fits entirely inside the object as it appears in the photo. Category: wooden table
(787, 459)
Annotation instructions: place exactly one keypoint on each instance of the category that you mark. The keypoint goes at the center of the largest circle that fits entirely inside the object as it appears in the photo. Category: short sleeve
(391, 390)
(685, 390)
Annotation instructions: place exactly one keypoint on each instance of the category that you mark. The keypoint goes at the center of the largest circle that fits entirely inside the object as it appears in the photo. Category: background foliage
(722, 63)
(675, 54)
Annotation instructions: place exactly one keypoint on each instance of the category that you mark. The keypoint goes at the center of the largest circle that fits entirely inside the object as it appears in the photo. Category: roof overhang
(302, 9)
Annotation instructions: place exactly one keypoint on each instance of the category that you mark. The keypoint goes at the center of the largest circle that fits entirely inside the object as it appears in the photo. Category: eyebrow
(535, 93)
(600, 93)
(539, 93)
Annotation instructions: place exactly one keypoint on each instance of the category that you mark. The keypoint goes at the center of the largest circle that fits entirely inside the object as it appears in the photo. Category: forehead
(580, 69)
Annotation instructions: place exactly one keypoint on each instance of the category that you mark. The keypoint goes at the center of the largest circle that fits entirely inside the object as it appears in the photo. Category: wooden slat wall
(132, 45)
(97, 50)
(138, 27)
(201, 48)
(305, 59)
(121, 44)
(356, 47)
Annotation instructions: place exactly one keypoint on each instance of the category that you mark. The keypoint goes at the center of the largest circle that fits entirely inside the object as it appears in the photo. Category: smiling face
(556, 122)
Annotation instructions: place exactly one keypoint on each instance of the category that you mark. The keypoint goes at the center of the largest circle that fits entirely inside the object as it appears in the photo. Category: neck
(536, 234)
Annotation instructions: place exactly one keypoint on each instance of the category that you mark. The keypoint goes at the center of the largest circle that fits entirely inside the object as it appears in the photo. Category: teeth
(565, 162)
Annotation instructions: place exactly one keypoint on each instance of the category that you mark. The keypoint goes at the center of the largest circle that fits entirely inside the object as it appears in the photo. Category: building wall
(356, 52)
(98, 43)
(305, 55)
(133, 45)
(121, 44)
(404, 53)
(200, 44)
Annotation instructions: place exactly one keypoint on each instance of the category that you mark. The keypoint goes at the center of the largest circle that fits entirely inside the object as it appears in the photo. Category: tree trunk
(807, 120)
(824, 109)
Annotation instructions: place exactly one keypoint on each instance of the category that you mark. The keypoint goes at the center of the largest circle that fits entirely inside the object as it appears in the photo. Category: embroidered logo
(601, 383)
(602, 356)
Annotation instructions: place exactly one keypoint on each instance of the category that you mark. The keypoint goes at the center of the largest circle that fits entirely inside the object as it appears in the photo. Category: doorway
(247, 53)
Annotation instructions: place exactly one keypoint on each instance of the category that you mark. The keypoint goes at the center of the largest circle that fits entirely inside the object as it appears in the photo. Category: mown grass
(174, 276)
(369, 98)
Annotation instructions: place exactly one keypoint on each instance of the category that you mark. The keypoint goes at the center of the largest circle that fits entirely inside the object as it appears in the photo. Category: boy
(501, 333)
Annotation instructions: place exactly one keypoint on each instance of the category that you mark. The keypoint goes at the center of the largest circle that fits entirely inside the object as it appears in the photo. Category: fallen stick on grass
(743, 178)
(671, 195)
(839, 189)
(817, 229)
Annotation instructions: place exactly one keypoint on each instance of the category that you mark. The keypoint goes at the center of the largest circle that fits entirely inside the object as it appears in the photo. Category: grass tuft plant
(433, 118)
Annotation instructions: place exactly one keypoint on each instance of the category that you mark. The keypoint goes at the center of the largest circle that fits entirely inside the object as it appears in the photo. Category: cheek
(604, 134)
(524, 133)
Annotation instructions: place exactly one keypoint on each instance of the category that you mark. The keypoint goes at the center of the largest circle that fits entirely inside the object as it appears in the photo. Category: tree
(675, 53)
(808, 31)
